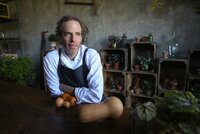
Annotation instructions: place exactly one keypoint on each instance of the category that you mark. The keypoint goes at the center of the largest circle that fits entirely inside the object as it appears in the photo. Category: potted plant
(145, 63)
(176, 113)
(114, 40)
(147, 87)
(117, 59)
(52, 38)
(17, 70)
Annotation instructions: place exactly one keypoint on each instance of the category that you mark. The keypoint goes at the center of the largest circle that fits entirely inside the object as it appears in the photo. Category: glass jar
(173, 47)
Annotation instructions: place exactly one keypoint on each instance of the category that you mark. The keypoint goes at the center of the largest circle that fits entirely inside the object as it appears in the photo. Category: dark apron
(76, 77)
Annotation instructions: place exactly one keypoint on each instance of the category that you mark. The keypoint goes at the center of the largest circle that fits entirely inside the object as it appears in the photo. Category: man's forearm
(68, 89)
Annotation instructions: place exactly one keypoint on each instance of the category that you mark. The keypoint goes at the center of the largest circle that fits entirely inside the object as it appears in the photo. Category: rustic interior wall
(132, 17)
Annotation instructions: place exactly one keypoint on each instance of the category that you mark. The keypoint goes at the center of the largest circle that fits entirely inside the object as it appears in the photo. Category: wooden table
(25, 110)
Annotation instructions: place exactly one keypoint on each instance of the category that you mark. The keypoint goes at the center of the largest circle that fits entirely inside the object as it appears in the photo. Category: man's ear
(84, 38)
(61, 41)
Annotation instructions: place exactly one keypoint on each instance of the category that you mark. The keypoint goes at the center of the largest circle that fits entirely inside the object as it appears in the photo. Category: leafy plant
(177, 112)
(147, 86)
(17, 70)
(145, 63)
(52, 38)
(113, 38)
(146, 111)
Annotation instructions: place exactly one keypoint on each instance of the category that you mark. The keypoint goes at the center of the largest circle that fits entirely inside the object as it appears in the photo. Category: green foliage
(179, 102)
(113, 38)
(52, 38)
(146, 111)
(16, 69)
(177, 112)
(156, 4)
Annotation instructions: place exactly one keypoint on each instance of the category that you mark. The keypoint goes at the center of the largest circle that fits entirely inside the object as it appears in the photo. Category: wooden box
(172, 74)
(142, 85)
(144, 55)
(194, 86)
(114, 81)
(194, 62)
(114, 58)
(4, 10)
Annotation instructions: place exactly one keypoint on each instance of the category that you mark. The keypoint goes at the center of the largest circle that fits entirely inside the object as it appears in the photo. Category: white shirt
(94, 92)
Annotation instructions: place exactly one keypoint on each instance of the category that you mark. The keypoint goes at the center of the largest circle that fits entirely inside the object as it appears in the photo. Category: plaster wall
(132, 17)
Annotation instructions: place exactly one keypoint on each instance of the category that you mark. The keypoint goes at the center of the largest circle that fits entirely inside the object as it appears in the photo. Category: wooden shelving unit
(7, 20)
(92, 4)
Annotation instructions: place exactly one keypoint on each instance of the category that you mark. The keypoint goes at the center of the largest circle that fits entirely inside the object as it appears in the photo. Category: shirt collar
(78, 56)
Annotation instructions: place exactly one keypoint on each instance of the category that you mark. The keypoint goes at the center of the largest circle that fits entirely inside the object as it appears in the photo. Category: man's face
(72, 36)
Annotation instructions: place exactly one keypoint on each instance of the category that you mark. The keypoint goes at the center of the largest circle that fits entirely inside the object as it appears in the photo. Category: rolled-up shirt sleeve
(94, 92)
(50, 63)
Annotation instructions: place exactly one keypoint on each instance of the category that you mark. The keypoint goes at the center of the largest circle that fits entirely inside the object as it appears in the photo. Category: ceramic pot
(119, 88)
(165, 55)
(113, 45)
(116, 65)
(137, 91)
(136, 67)
(107, 66)
(173, 85)
(137, 86)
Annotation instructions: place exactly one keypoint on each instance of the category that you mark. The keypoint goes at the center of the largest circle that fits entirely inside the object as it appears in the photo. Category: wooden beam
(93, 4)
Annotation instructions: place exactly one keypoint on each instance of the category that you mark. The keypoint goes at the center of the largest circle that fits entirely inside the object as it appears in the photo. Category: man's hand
(67, 89)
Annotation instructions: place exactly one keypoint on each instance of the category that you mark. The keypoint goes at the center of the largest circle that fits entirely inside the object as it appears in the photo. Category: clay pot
(137, 91)
(113, 45)
(173, 85)
(107, 66)
(136, 67)
(119, 88)
(116, 65)
(137, 86)
(165, 55)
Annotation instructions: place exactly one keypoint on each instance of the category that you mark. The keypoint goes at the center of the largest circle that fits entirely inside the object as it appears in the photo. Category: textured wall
(132, 17)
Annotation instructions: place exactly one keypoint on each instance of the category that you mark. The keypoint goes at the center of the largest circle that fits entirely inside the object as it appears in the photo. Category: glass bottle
(173, 47)
(150, 37)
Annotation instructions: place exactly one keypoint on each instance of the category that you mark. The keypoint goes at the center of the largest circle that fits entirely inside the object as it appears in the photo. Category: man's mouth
(72, 46)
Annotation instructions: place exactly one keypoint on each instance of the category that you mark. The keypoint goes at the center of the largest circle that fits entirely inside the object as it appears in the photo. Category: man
(76, 69)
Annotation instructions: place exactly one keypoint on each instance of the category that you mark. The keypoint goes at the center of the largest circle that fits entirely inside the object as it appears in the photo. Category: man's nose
(73, 38)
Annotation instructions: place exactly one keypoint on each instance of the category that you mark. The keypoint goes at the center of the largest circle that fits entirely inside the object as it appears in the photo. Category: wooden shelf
(6, 20)
(9, 39)
(5, 1)
(93, 4)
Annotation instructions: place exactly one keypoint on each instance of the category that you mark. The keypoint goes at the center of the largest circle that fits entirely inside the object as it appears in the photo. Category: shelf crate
(172, 71)
(142, 49)
(194, 86)
(110, 55)
(4, 11)
(132, 84)
(194, 62)
(114, 81)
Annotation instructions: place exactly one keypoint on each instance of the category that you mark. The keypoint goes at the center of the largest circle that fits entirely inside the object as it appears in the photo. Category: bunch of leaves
(179, 112)
(113, 38)
(17, 69)
(156, 4)
(52, 38)
(6, 66)
(146, 111)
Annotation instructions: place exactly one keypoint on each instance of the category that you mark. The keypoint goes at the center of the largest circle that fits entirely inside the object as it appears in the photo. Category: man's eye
(79, 34)
(67, 34)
